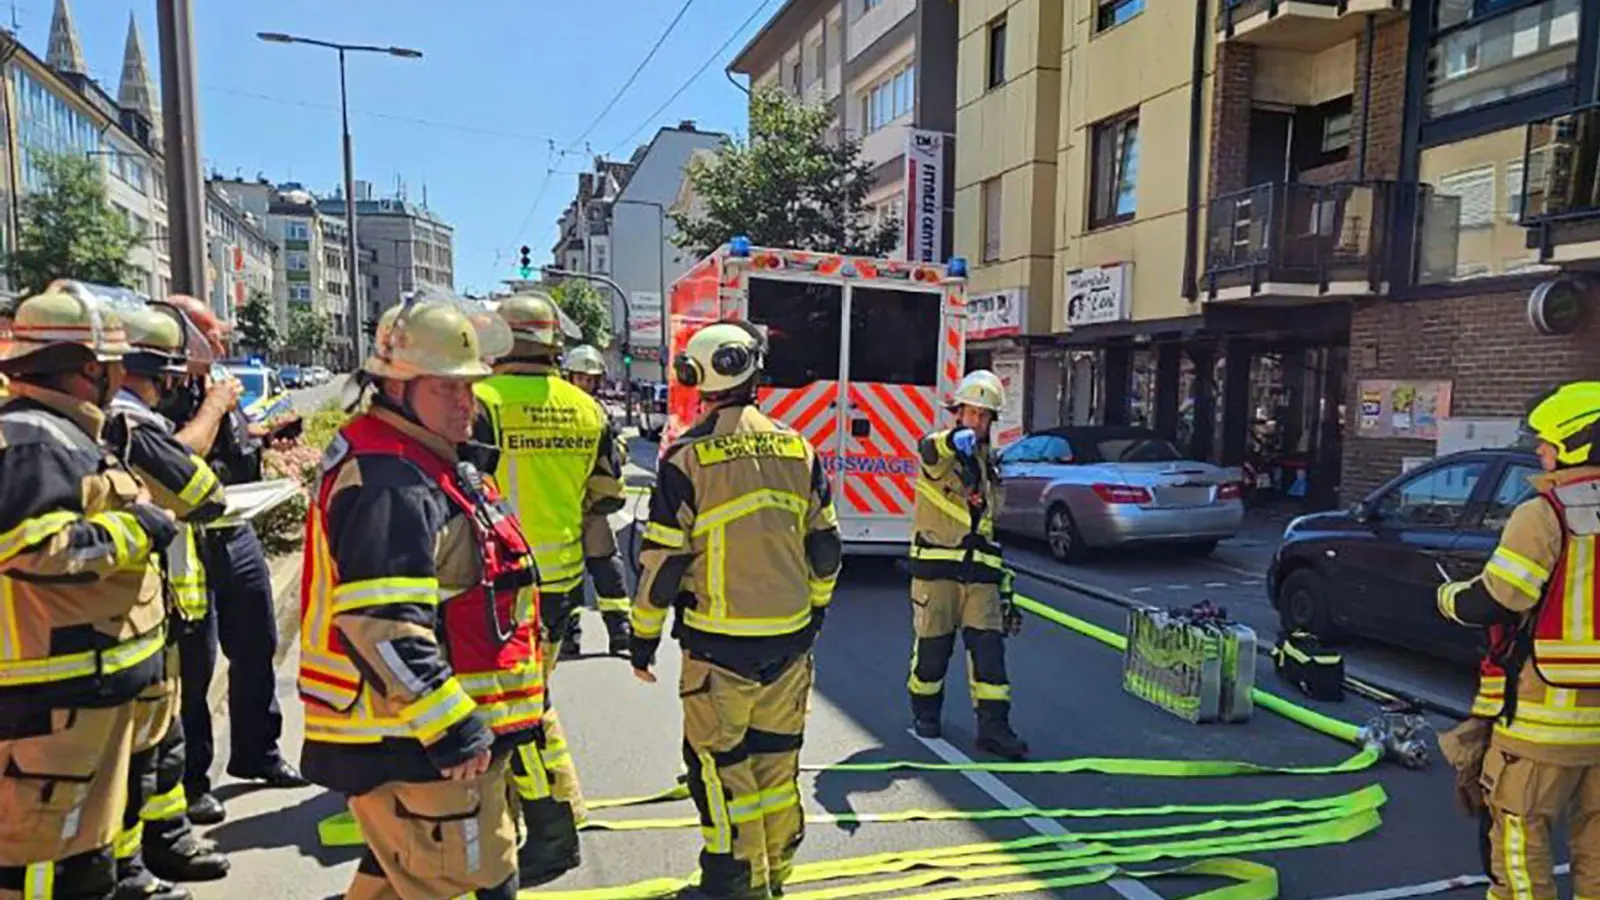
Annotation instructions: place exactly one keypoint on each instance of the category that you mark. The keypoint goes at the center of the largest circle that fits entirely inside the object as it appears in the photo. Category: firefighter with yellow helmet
(958, 579)
(1538, 597)
(558, 465)
(586, 368)
(86, 630)
(419, 669)
(156, 844)
(743, 541)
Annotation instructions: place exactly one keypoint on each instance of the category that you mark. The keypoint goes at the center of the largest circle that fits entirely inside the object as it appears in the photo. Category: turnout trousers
(938, 609)
(62, 793)
(155, 808)
(437, 839)
(741, 743)
(1525, 798)
(556, 617)
(604, 566)
(551, 821)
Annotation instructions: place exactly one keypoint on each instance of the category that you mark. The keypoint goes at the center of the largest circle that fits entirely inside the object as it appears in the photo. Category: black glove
(642, 651)
(1010, 618)
(156, 522)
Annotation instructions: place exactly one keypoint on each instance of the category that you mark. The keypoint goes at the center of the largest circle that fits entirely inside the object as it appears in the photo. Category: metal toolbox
(1194, 664)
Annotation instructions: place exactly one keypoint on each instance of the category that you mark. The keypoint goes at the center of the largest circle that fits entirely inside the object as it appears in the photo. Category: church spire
(137, 92)
(66, 51)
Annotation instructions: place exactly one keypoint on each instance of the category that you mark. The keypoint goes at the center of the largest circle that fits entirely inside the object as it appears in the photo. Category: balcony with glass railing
(1307, 26)
(1561, 186)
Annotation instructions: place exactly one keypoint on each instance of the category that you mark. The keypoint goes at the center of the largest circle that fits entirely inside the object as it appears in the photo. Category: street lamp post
(661, 271)
(627, 321)
(353, 250)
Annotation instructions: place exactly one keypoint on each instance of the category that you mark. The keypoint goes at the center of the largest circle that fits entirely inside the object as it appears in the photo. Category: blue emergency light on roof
(738, 245)
(956, 267)
(254, 361)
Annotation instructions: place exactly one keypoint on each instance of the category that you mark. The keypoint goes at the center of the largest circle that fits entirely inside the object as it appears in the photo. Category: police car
(265, 401)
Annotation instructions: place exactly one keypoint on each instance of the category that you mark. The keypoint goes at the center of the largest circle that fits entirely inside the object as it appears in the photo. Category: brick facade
(1483, 344)
(1384, 125)
(1230, 117)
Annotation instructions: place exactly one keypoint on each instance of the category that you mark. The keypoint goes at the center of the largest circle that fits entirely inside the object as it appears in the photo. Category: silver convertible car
(1080, 488)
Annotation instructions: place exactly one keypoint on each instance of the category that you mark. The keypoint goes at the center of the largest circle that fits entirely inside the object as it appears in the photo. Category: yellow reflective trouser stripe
(79, 665)
(203, 482)
(611, 604)
(744, 808)
(128, 841)
(917, 685)
(39, 881)
(646, 620)
(666, 536)
(532, 783)
(951, 554)
(32, 532)
(131, 545)
(985, 691)
(1514, 857)
(167, 805)
(719, 835)
(752, 627)
(778, 799)
(356, 595)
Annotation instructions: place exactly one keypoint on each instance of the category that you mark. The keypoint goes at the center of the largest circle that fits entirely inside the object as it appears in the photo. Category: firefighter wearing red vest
(86, 628)
(1538, 596)
(586, 369)
(743, 541)
(419, 668)
(958, 578)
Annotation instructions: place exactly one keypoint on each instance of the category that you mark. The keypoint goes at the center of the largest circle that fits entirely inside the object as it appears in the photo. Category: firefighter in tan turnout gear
(586, 368)
(558, 466)
(1540, 685)
(418, 666)
(82, 632)
(958, 578)
(156, 841)
(742, 540)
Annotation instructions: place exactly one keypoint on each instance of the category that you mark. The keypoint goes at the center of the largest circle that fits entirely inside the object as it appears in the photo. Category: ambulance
(861, 355)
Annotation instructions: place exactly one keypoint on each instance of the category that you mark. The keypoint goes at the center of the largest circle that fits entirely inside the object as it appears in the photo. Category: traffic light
(627, 357)
(525, 266)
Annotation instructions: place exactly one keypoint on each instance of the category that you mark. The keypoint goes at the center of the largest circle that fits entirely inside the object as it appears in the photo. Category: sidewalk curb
(1117, 599)
(285, 572)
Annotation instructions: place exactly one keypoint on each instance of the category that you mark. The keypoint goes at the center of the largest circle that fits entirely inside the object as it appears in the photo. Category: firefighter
(419, 669)
(86, 629)
(558, 464)
(743, 541)
(587, 369)
(958, 578)
(1537, 596)
(156, 844)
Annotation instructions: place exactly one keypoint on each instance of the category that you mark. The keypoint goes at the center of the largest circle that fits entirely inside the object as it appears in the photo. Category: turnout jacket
(953, 519)
(82, 621)
(742, 539)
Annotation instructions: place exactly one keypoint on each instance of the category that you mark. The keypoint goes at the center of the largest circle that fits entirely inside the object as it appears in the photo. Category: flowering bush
(282, 528)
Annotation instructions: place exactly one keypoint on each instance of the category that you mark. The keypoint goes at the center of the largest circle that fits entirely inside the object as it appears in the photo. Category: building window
(819, 60)
(997, 52)
(989, 225)
(1480, 55)
(870, 5)
(888, 100)
(795, 73)
(1474, 188)
(296, 261)
(1114, 170)
(296, 231)
(1111, 13)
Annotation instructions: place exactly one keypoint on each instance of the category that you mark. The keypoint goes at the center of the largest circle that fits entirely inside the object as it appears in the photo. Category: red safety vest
(1566, 642)
(487, 632)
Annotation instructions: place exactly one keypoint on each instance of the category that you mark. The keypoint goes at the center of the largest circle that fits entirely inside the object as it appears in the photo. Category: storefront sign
(644, 319)
(1008, 428)
(1556, 306)
(1098, 294)
(1403, 409)
(924, 195)
(995, 315)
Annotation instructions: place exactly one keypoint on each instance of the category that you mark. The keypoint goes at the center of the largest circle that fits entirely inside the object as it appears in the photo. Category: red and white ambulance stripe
(899, 416)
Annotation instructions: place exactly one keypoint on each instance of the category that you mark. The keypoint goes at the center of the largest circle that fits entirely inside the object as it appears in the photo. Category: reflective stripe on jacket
(953, 519)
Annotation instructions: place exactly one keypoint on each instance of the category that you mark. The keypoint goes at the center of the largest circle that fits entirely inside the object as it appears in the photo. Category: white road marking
(1237, 570)
(1428, 887)
(1000, 792)
(1176, 587)
(1216, 584)
(1139, 590)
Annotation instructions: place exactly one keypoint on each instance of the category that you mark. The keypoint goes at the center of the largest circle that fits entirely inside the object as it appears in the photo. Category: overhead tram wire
(717, 54)
(611, 104)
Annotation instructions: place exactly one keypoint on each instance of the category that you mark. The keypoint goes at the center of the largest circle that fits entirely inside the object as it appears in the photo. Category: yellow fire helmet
(532, 318)
(67, 312)
(1568, 419)
(719, 357)
(981, 388)
(435, 334)
(585, 360)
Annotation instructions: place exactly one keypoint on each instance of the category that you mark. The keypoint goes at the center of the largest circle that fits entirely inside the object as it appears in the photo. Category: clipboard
(248, 501)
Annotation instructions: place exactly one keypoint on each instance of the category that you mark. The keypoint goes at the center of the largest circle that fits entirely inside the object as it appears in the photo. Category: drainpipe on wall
(1367, 40)
(1191, 226)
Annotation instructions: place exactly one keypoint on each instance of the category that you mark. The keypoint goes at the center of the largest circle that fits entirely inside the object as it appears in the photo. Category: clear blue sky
(499, 80)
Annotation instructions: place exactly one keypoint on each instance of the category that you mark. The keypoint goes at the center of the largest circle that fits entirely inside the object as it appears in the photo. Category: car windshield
(1137, 449)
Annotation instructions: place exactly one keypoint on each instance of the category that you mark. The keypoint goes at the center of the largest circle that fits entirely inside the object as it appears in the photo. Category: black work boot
(925, 715)
(135, 882)
(996, 737)
(551, 848)
(619, 631)
(187, 859)
(572, 644)
(206, 809)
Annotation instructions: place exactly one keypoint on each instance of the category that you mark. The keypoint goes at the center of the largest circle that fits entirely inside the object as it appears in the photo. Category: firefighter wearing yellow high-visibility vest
(586, 368)
(558, 464)
(156, 844)
(958, 578)
(84, 625)
(418, 666)
(1540, 588)
(742, 540)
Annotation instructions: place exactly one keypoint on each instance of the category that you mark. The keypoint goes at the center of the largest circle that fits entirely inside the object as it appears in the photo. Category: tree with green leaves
(792, 184)
(585, 305)
(309, 331)
(257, 330)
(68, 228)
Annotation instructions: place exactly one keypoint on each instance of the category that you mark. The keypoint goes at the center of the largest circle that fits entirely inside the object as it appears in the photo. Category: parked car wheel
(1303, 605)
(1061, 533)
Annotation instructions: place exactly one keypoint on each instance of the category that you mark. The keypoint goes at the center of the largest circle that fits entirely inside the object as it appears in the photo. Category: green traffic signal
(525, 271)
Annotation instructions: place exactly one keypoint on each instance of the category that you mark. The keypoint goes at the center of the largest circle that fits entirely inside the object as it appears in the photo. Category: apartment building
(410, 245)
(240, 257)
(887, 69)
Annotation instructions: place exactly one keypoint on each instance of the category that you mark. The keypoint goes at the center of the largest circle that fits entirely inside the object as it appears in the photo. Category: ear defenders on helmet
(728, 360)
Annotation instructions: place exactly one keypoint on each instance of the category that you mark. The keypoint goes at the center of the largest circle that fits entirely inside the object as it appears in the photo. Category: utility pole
(186, 187)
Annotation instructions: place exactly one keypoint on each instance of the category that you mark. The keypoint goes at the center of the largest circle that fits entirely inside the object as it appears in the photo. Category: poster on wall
(1097, 294)
(1008, 428)
(995, 315)
(644, 319)
(924, 195)
(1403, 408)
